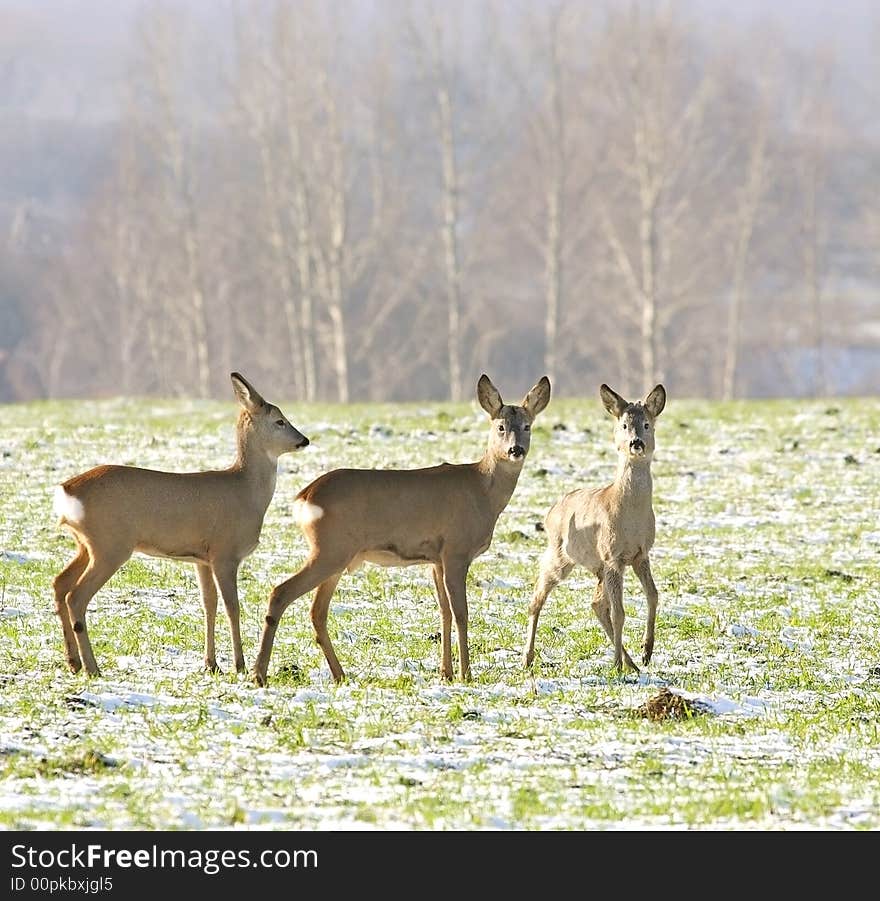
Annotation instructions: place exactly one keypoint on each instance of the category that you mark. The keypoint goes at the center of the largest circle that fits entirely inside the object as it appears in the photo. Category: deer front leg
(226, 577)
(455, 582)
(209, 602)
(445, 623)
(612, 581)
(553, 570)
(603, 613)
(642, 568)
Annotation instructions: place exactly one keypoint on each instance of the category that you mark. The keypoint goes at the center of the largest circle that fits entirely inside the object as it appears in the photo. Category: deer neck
(500, 478)
(633, 483)
(257, 467)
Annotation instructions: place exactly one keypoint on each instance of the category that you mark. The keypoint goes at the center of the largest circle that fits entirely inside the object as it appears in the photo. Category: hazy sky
(852, 24)
(84, 41)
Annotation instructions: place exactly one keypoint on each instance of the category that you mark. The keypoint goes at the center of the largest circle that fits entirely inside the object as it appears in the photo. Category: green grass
(766, 562)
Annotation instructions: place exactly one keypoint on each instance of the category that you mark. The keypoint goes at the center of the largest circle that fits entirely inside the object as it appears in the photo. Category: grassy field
(769, 622)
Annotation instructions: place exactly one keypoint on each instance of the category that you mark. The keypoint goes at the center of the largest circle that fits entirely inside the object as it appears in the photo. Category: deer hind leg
(96, 573)
(602, 607)
(226, 577)
(554, 568)
(642, 568)
(209, 602)
(445, 623)
(455, 583)
(64, 582)
(313, 573)
(319, 610)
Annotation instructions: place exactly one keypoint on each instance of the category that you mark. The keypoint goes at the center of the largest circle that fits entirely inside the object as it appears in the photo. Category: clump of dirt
(667, 704)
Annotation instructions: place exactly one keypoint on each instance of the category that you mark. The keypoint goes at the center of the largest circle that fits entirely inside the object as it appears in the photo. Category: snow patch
(725, 706)
(740, 631)
(13, 613)
(111, 702)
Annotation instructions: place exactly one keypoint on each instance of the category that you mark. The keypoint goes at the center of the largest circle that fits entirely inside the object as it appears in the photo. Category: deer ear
(612, 401)
(538, 398)
(656, 401)
(247, 395)
(488, 396)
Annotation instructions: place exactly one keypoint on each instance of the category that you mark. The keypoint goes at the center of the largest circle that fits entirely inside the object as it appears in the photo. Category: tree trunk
(449, 231)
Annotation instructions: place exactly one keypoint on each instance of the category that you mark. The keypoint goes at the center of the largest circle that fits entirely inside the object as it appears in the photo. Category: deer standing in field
(442, 516)
(608, 529)
(212, 519)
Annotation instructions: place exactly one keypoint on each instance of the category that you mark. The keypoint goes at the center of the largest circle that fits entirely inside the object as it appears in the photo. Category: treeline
(378, 202)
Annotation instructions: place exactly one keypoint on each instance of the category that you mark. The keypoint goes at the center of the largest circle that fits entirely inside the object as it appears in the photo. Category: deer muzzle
(637, 446)
(517, 452)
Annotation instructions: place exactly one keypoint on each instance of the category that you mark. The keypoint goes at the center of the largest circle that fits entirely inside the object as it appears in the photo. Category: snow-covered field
(766, 559)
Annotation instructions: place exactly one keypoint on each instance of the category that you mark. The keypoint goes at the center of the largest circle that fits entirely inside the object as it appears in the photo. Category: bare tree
(543, 66)
(663, 160)
(748, 201)
(258, 89)
(332, 253)
(432, 42)
(174, 151)
(290, 41)
(486, 174)
(812, 162)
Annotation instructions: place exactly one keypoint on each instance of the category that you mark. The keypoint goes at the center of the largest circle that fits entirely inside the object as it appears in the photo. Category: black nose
(516, 452)
(637, 444)
(304, 442)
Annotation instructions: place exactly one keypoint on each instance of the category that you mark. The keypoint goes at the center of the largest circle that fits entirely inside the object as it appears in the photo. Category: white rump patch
(304, 512)
(67, 506)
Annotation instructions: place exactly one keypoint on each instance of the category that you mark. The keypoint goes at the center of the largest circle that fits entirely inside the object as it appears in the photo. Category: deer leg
(455, 582)
(314, 572)
(64, 582)
(97, 572)
(320, 609)
(209, 602)
(445, 623)
(642, 568)
(554, 568)
(226, 577)
(603, 613)
(612, 581)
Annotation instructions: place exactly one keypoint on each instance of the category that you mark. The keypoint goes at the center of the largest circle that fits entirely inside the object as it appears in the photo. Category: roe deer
(212, 519)
(443, 516)
(608, 529)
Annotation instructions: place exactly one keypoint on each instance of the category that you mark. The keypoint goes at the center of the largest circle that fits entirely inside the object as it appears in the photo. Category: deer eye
(501, 427)
(646, 426)
(527, 428)
(624, 426)
(279, 422)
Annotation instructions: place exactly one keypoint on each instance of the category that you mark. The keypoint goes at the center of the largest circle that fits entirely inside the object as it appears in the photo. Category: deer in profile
(607, 529)
(440, 516)
(212, 519)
